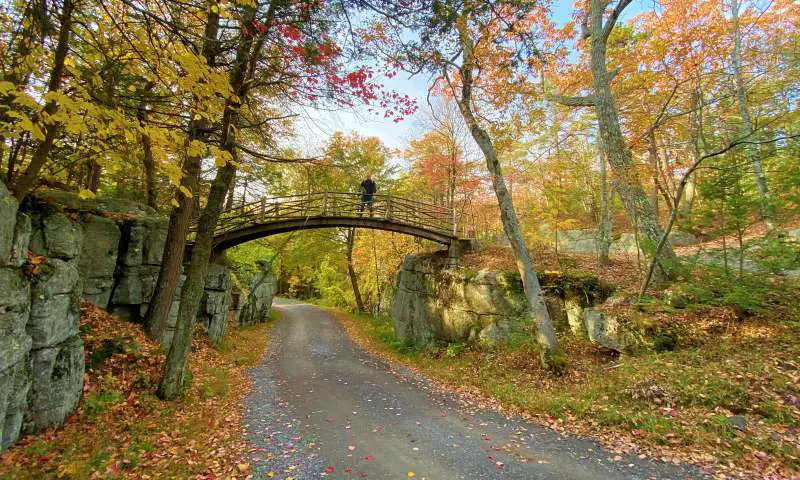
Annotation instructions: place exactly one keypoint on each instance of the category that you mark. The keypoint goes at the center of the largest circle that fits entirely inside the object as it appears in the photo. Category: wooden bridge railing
(386, 207)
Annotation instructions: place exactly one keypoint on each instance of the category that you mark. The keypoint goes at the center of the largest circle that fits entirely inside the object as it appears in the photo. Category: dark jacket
(368, 187)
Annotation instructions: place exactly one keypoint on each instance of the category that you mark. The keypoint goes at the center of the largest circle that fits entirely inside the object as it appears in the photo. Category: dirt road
(323, 408)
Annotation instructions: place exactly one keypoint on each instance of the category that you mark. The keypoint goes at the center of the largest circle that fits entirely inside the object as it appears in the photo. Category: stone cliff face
(41, 354)
(433, 303)
(76, 252)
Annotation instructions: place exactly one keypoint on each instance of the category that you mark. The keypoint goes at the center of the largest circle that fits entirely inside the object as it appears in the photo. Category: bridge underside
(235, 237)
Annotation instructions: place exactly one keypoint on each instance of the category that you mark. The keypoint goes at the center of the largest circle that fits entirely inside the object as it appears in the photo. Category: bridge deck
(268, 216)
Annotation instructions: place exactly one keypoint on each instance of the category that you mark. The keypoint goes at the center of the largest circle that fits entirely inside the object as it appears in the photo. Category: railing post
(263, 209)
(389, 206)
(325, 204)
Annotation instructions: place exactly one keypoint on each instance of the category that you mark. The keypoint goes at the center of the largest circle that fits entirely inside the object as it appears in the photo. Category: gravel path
(323, 408)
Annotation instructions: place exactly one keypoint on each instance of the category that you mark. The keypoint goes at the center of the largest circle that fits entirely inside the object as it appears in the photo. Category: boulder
(574, 305)
(558, 313)
(98, 290)
(98, 260)
(57, 384)
(456, 325)
(56, 236)
(432, 303)
(793, 235)
(97, 204)
(413, 318)
(577, 241)
(605, 329)
(626, 244)
(14, 314)
(738, 422)
(135, 285)
(55, 308)
(8, 218)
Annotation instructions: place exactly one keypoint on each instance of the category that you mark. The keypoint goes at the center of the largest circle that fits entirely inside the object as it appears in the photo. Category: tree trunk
(652, 152)
(747, 121)
(351, 271)
(19, 145)
(695, 135)
(28, 180)
(172, 383)
(634, 199)
(545, 334)
(604, 224)
(95, 172)
(157, 317)
(149, 166)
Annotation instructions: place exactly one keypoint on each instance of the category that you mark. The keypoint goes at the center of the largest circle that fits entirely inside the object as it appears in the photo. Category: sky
(316, 126)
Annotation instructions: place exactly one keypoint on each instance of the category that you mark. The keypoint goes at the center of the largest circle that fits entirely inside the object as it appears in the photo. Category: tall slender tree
(157, 316)
(598, 22)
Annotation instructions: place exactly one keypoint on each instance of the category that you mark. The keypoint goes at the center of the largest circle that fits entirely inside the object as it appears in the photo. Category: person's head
(369, 176)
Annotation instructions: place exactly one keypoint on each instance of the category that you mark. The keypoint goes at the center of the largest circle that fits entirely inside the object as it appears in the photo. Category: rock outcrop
(216, 299)
(98, 261)
(62, 249)
(435, 304)
(41, 354)
(258, 306)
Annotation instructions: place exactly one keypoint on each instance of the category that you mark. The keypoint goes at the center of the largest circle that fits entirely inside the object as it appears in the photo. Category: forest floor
(727, 398)
(122, 430)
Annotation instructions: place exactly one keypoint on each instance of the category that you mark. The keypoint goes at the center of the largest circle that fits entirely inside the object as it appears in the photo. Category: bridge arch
(271, 216)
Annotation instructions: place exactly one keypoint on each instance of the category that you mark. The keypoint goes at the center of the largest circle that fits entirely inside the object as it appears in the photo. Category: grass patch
(122, 430)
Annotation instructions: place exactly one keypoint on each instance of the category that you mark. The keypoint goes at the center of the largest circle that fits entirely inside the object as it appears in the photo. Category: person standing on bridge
(368, 189)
